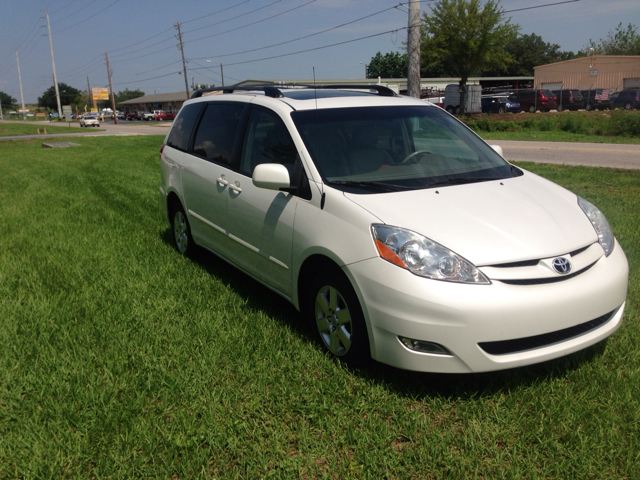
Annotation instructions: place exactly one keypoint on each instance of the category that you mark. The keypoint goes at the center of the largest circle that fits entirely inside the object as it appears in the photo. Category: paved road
(123, 128)
(563, 153)
(566, 153)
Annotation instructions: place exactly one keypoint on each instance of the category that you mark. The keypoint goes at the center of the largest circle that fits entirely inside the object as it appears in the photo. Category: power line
(233, 18)
(75, 13)
(315, 48)
(215, 13)
(62, 8)
(250, 24)
(297, 39)
(539, 6)
(88, 18)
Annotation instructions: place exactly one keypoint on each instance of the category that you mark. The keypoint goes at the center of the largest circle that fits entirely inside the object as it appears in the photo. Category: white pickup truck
(150, 115)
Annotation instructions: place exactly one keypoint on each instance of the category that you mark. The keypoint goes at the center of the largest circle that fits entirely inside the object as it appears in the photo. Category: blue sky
(240, 34)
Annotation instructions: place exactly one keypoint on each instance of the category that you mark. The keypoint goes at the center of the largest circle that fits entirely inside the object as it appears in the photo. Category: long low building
(169, 102)
(616, 72)
(172, 102)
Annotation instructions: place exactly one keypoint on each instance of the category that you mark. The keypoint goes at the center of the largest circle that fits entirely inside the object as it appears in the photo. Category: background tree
(528, 51)
(67, 95)
(390, 65)
(621, 41)
(127, 94)
(6, 100)
(467, 38)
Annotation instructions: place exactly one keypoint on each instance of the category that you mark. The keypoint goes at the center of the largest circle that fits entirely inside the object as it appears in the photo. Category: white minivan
(397, 232)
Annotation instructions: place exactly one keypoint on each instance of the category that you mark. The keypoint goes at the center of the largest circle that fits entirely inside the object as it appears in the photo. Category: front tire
(182, 239)
(532, 109)
(337, 318)
(502, 110)
(588, 107)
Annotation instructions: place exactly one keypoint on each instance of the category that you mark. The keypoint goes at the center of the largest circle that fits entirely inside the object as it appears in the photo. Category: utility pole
(53, 63)
(184, 65)
(222, 75)
(24, 112)
(113, 100)
(413, 50)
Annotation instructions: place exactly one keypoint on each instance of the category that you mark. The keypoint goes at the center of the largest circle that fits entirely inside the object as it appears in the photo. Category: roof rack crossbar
(274, 90)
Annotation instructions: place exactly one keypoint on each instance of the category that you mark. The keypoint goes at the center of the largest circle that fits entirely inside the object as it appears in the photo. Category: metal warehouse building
(598, 71)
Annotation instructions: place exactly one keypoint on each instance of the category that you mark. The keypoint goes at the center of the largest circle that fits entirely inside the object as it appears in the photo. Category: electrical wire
(233, 18)
(74, 13)
(250, 24)
(539, 6)
(215, 13)
(297, 39)
(88, 18)
(315, 48)
(62, 8)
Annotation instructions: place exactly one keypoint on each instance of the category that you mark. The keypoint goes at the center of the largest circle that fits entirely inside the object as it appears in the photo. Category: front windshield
(396, 148)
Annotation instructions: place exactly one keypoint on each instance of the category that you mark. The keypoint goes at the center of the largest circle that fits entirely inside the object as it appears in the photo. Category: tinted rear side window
(183, 126)
(217, 132)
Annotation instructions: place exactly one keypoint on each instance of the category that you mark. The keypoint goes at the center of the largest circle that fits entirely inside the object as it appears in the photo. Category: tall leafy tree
(127, 94)
(67, 96)
(529, 51)
(467, 38)
(389, 65)
(6, 100)
(621, 41)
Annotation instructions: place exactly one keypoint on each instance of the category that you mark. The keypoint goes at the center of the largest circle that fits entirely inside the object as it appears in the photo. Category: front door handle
(222, 180)
(235, 187)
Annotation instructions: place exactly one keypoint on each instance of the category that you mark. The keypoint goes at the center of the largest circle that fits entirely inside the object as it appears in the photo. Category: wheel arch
(313, 265)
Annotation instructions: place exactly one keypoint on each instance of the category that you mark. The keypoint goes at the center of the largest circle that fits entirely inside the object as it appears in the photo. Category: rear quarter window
(183, 126)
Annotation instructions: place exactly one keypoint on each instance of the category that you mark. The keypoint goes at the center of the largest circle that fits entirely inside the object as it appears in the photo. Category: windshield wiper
(374, 186)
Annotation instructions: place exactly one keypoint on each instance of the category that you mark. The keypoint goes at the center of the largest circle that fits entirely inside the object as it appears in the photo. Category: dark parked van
(599, 98)
(569, 99)
(532, 100)
(627, 99)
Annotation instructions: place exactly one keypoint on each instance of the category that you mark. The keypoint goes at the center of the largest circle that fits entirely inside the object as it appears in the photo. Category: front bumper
(460, 317)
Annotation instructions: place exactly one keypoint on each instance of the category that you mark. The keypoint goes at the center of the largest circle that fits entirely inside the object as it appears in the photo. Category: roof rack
(275, 90)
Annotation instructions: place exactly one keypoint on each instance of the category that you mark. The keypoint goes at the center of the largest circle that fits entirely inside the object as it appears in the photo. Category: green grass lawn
(10, 129)
(121, 359)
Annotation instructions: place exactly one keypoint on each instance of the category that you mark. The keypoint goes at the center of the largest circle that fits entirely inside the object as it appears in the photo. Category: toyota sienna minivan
(397, 232)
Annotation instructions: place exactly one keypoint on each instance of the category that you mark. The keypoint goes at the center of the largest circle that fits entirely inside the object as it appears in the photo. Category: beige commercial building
(597, 71)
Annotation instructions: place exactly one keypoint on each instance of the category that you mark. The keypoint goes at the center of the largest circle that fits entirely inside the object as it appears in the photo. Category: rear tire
(628, 106)
(588, 107)
(560, 108)
(337, 319)
(182, 239)
(532, 109)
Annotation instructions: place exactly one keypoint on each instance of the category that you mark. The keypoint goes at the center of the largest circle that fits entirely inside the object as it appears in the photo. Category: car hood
(488, 223)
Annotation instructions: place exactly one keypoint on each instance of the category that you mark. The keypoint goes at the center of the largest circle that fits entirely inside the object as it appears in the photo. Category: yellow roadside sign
(100, 93)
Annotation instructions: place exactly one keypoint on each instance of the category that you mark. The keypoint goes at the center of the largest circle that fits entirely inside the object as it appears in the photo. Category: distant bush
(618, 122)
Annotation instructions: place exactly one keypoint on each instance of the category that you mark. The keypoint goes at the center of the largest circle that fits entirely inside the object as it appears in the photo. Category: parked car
(569, 99)
(627, 99)
(599, 98)
(398, 232)
(499, 105)
(89, 121)
(532, 100)
(121, 116)
(165, 116)
(131, 116)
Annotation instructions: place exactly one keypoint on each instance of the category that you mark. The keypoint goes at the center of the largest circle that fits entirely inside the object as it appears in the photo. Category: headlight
(424, 257)
(600, 224)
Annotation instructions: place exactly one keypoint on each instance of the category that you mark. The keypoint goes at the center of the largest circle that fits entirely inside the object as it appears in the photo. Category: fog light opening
(424, 347)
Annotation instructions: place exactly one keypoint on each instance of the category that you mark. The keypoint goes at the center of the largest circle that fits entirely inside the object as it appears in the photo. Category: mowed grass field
(121, 359)
(9, 129)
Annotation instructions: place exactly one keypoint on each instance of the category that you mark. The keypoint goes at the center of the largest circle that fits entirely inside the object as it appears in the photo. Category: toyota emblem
(561, 265)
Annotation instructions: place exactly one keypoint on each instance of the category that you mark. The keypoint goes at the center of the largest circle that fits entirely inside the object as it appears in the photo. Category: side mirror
(498, 150)
(271, 176)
